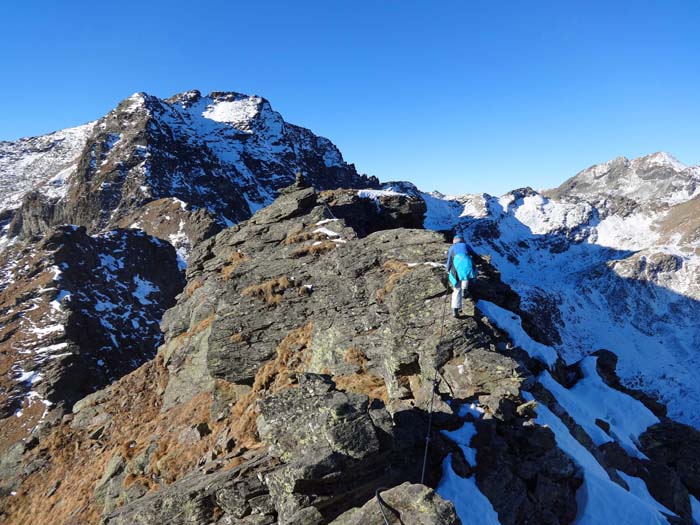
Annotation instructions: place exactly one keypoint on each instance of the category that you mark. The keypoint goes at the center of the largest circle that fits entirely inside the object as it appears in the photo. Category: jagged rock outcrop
(419, 505)
(178, 170)
(294, 381)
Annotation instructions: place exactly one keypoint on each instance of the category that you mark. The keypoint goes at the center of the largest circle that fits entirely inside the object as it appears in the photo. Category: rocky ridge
(87, 302)
(293, 382)
(322, 309)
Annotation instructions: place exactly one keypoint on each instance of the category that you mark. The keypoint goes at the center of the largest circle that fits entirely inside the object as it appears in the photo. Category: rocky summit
(208, 317)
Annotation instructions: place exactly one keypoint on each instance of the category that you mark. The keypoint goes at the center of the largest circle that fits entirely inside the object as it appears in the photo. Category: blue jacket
(459, 263)
(461, 248)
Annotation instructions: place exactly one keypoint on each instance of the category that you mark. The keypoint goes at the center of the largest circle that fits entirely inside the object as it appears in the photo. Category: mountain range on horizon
(220, 272)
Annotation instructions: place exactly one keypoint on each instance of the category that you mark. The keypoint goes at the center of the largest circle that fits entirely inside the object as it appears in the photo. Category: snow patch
(512, 324)
(144, 288)
(473, 508)
(590, 399)
(600, 500)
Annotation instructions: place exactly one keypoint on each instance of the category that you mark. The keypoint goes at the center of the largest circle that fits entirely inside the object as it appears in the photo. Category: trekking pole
(430, 425)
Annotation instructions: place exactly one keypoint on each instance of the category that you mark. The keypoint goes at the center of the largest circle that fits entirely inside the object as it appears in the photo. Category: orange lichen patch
(317, 248)
(63, 489)
(396, 270)
(270, 291)
(235, 259)
(275, 375)
(192, 286)
(365, 383)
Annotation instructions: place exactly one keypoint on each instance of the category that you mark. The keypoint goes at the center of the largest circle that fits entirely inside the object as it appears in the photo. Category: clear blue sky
(459, 96)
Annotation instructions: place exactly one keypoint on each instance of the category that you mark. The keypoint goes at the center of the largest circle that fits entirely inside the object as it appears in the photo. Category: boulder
(410, 504)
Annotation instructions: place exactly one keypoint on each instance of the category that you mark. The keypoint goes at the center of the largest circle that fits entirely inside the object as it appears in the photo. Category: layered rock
(294, 381)
(178, 170)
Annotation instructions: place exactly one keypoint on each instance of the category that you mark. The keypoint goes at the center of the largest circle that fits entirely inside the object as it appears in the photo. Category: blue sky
(459, 96)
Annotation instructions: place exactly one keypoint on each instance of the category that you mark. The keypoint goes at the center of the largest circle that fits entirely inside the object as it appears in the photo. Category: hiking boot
(455, 313)
(465, 293)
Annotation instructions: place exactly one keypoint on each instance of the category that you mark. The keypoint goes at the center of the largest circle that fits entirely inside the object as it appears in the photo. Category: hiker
(461, 271)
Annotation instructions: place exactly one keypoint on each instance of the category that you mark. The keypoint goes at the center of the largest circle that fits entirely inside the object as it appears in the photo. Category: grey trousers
(457, 294)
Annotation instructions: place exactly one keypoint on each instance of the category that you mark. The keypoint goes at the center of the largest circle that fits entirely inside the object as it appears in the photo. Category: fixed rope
(379, 499)
(432, 396)
(380, 502)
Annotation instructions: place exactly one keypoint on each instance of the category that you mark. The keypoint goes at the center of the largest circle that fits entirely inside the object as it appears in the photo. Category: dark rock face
(116, 288)
(677, 446)
(78, 312)
(523, 473)
(366, 216)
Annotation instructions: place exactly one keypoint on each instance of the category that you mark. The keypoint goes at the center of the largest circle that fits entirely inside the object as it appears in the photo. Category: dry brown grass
(192, 287)
(270, 291)
(275, 375)
(355, 356)
(365, 383)
(314, 249)
(77, 462)
(238, 337)
(299, 237)
(203, 324)
(234, 260)
(361, 382)
(396, 270)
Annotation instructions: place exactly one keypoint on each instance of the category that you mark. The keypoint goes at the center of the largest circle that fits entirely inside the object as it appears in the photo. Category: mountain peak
(662, 159)
(225, 152)
(655, 178)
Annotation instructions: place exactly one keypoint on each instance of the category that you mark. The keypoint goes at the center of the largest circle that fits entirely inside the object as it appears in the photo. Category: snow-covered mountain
(82, 289)
(610, 259)
(226, 154)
